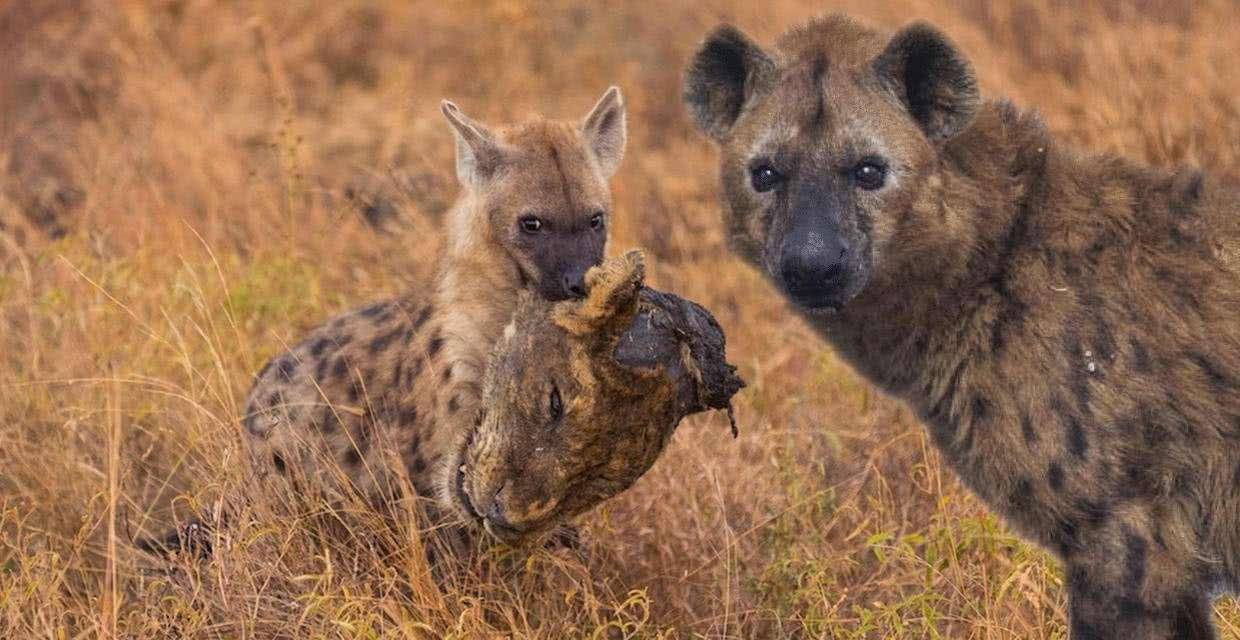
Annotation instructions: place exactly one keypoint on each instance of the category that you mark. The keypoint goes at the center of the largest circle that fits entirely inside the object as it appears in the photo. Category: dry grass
(187, 186)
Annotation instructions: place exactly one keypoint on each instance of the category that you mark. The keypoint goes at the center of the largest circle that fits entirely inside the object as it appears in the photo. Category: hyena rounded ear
(478, 152)
(605, 131)
(931, 77)
(725, 73)
(613, 293)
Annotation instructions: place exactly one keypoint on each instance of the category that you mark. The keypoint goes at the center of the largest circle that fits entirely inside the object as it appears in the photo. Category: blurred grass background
(187, 186)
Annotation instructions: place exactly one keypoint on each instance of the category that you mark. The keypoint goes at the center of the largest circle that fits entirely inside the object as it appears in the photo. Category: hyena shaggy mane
(401, 379)
(1066, 324)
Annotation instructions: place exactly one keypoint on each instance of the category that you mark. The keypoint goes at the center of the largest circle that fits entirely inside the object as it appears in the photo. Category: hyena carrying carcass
(578, 399)
(403, 378)
(1067, 325)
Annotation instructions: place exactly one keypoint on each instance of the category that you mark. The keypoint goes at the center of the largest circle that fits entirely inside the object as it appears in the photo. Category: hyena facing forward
(1066, 325)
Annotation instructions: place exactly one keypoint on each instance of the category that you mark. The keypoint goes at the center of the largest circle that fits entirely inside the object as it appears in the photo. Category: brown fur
(1066, 324)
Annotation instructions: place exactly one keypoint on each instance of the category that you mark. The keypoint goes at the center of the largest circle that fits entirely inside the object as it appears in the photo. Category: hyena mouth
(458, 482)
(462, 498)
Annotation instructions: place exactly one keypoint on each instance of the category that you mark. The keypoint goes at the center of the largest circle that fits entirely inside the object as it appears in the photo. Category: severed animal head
(581, 397)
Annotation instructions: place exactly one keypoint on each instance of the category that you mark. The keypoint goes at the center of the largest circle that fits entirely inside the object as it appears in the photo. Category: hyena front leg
(1097, 611)
(1129, 583)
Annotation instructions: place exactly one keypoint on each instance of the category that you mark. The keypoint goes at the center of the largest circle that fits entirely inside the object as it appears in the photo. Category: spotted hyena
(1066, 324)
(401, 379)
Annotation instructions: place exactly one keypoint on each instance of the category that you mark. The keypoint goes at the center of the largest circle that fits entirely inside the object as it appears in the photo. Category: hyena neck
(912, 331)
(475, 293)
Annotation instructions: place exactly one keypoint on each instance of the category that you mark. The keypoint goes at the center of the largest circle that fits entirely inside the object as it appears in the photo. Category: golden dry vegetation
(187, 186)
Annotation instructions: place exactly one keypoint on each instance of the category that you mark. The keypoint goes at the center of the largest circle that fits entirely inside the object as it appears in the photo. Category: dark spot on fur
(352, 457)
(1079, 381)
(1054, 475)
(453, 404)
(1215, 374)
(1140, 356)
(274, 400)
(254, 425)
(1077, 444)
(447, 373)
(435, 344)
(1134, 560)
(408, 416)
(355, 391)
(319, 346)
(419, 466)
(329, 422)
(373, 310)
(1064, 537)
(320, 370)
(286, 366)
(981, 408)
(278, 462)
(341, 368)
(381, 342)
(1104, 340)
(1026, 428)
(1080, 388)
(1021, 497)
(423, 316)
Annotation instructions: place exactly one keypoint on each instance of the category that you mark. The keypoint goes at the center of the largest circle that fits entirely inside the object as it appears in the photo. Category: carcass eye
(557, 405)
(530, 224)
(869, 175)
(596, 221)
(764, 177)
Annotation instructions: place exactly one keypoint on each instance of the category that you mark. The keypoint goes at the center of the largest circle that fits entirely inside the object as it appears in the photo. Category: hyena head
(826, 143)
(539, 192)
(581, 397)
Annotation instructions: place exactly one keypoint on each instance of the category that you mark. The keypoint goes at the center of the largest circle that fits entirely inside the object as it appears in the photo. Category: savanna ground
(186, 187)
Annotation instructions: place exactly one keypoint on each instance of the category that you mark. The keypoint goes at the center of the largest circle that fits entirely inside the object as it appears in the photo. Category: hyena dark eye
(869, 175)
(596, 221)
(556, 409)
(764, 177)
(530, 224)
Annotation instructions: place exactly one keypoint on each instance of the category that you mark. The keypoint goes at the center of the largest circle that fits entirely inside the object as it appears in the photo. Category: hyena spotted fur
(1066, 324)
(399, 381)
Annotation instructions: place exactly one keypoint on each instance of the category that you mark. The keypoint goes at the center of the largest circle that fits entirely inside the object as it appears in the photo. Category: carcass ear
(605, 131)
(725, 73)
(612, 297)
(931, 77)
(478, 152)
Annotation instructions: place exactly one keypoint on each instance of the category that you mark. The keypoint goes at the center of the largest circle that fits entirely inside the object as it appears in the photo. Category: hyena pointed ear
(605, 131)
(931, 77)
(478, 152)
(613, 292)
(726, 72)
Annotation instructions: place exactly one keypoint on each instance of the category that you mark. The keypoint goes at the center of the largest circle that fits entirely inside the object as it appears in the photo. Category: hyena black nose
(813, 268)
(574, 283)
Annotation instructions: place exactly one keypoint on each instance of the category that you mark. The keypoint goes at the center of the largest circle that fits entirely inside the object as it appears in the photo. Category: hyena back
(1067, 325)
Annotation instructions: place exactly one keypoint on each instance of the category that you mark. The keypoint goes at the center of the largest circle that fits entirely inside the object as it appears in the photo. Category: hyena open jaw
(1066, 324)
(402, 378)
